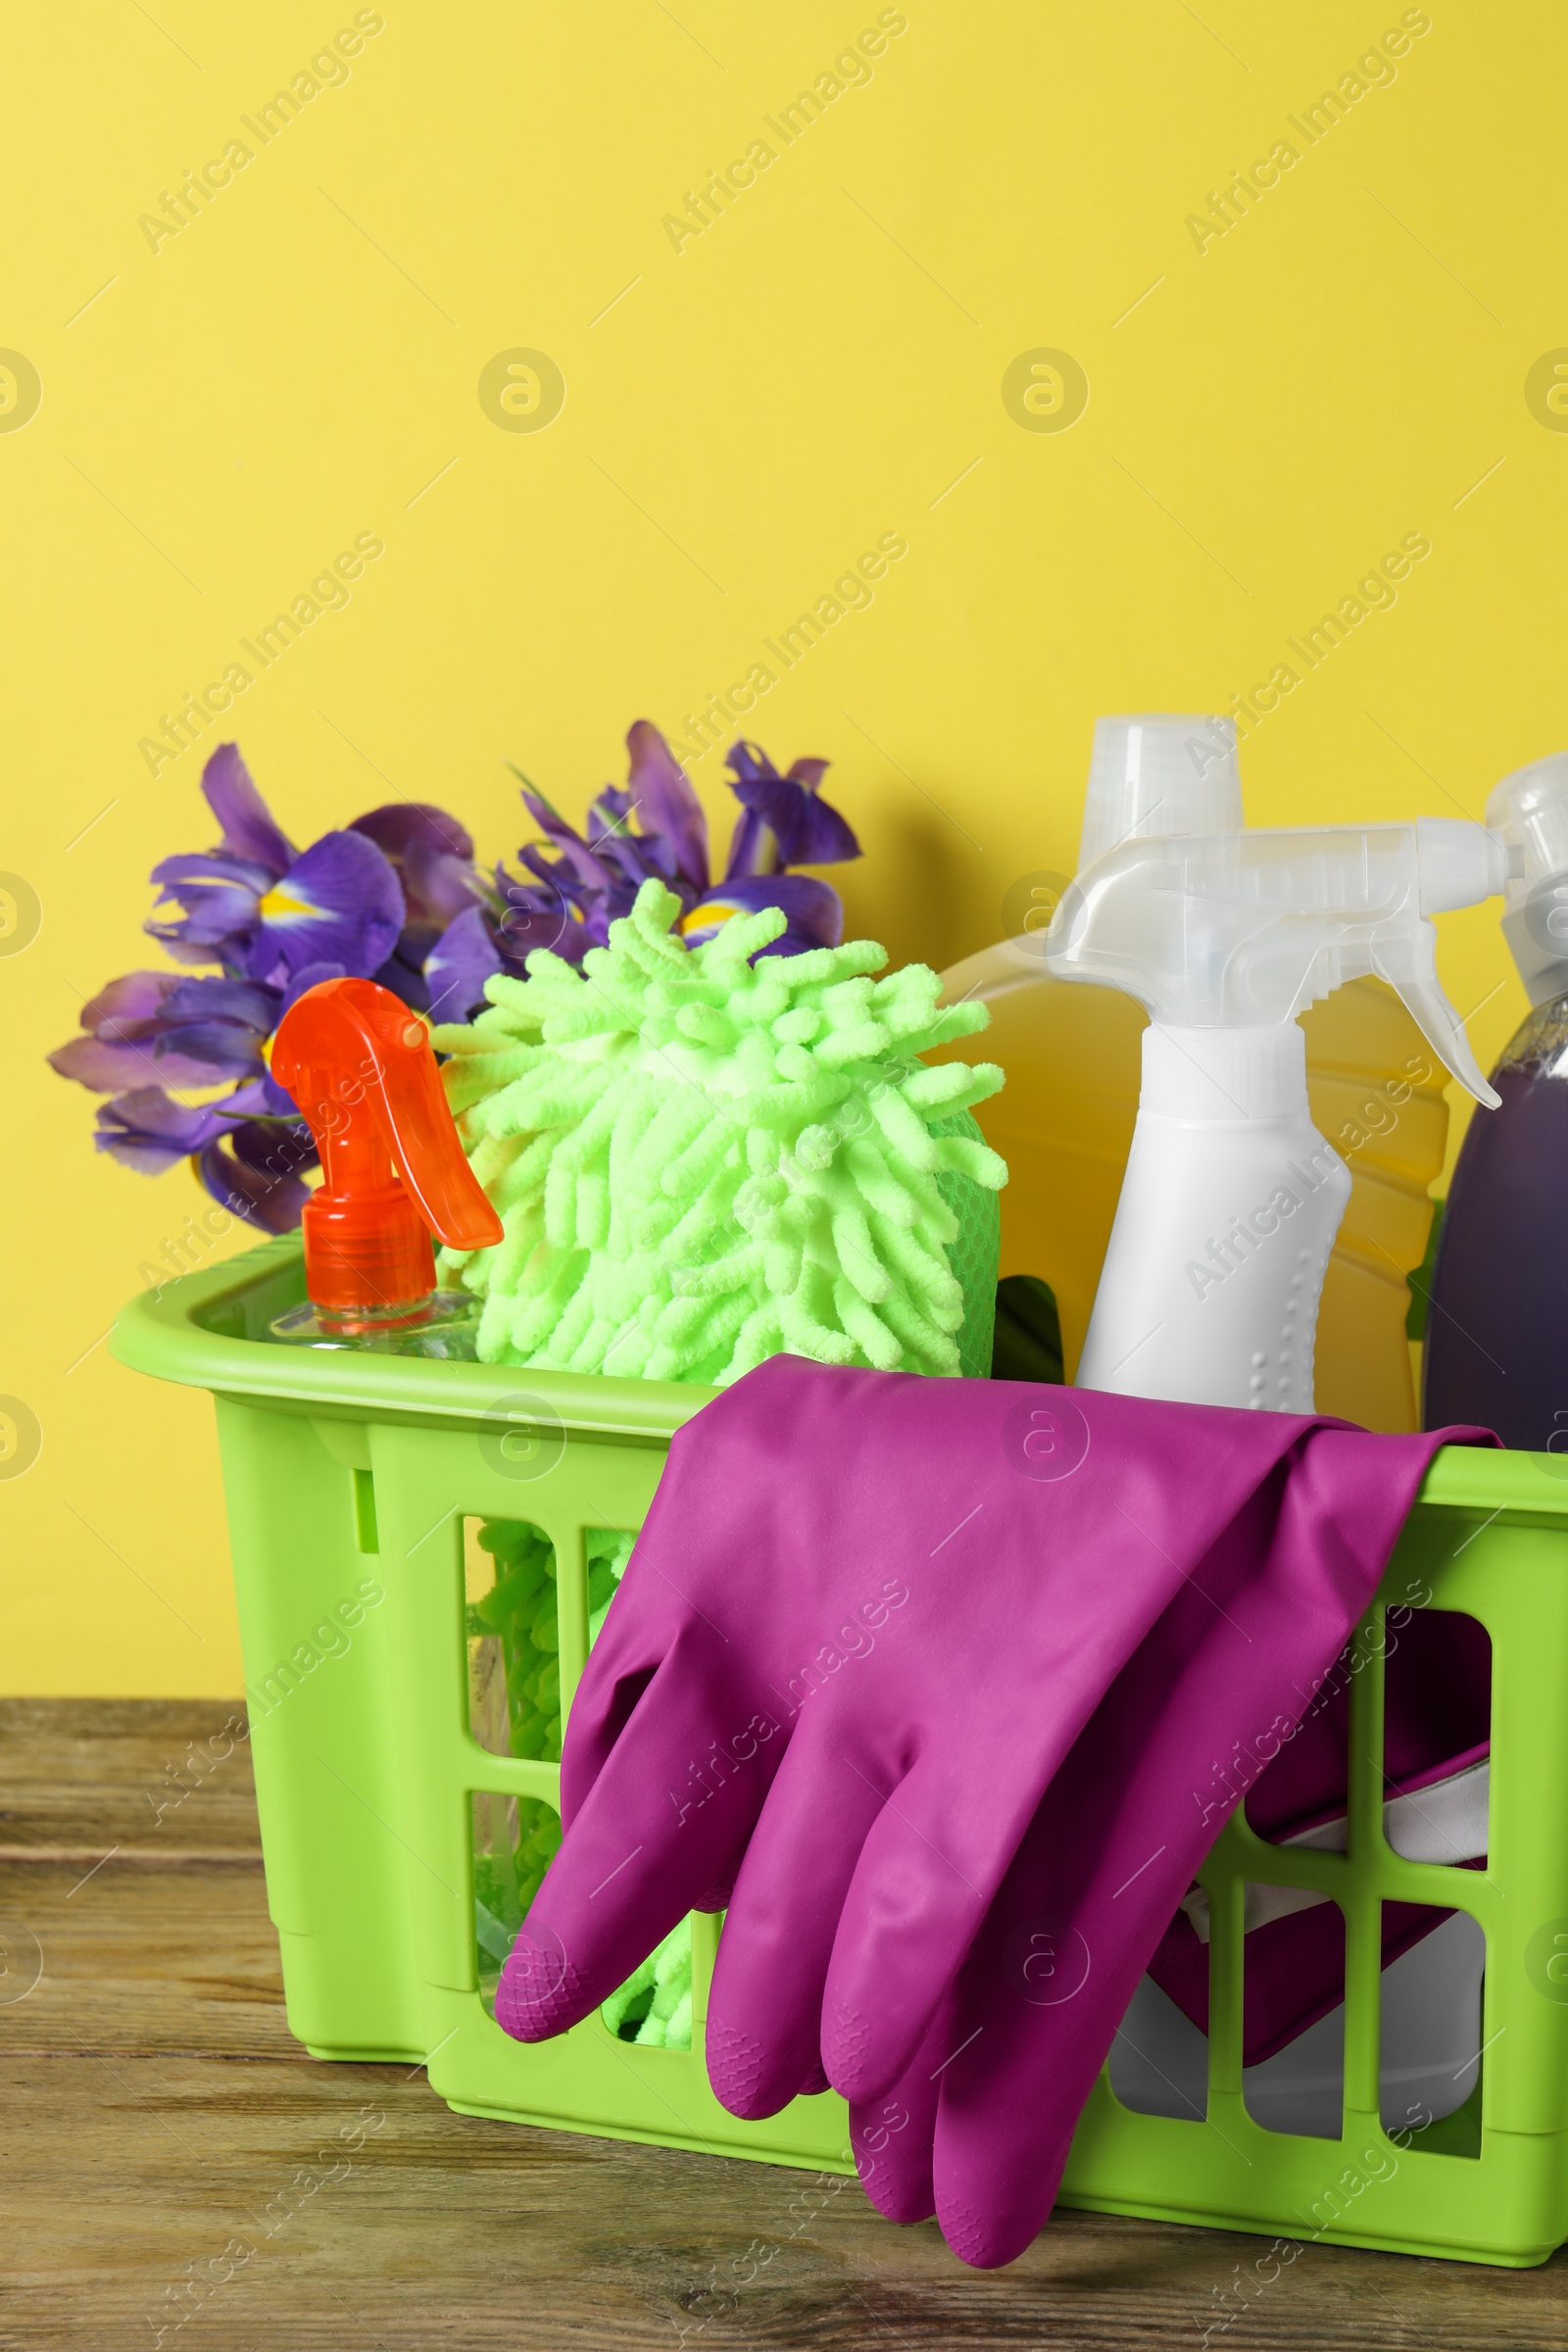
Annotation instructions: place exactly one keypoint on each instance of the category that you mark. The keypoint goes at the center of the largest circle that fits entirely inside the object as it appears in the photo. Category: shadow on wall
(915, 890)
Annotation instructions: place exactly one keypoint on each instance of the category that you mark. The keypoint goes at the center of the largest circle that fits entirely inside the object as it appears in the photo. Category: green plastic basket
(354, 1485)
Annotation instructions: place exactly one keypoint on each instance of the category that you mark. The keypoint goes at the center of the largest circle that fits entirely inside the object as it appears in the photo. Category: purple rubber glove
(861, 1635)
(993, 2098)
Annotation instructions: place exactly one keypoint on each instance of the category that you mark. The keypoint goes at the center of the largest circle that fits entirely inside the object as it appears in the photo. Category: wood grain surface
(178, 2172)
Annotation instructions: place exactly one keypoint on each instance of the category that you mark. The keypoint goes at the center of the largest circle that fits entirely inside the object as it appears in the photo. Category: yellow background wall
(1269, 411)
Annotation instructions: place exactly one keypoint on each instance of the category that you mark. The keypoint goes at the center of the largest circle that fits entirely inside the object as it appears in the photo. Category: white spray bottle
(1231, 1199)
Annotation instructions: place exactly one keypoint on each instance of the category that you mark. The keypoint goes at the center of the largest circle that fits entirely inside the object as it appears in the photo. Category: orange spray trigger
(361, 1069)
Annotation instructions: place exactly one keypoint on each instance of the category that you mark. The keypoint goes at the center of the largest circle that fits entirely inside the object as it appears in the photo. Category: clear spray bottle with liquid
(362, 1074)
(1064, 1121)
(1496, 1337)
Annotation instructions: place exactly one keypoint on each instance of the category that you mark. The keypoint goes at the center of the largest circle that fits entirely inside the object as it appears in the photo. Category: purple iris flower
(263, 910)
(338, 902)
(370, 901)
(396, 897)
(654, 827)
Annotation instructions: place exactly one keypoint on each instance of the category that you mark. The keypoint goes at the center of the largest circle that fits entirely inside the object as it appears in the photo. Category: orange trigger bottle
(361, 1069)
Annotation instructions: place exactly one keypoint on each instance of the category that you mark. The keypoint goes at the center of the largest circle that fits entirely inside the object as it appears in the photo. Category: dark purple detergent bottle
(1496, 1333)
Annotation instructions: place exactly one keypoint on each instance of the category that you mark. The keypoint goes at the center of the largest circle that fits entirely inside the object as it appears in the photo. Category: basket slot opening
(1429, 2028)
(1158, 2062)
(514, 1838)
(523, 1624)
(367, 1536)
(1437, 1731)
(1293, 2012)
(514, 1639)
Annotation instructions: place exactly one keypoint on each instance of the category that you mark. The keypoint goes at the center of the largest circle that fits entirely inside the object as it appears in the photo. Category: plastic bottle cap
(1160, 772)
(1530, 810)
(362, 1074)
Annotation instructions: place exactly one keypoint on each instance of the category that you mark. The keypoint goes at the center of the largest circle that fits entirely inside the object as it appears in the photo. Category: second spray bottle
(1231, 1199)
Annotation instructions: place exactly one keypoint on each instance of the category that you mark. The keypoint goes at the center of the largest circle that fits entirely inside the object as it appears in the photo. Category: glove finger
(992, 2210)
(675, 1799)
(765, 2011)
(926, 1873)
(1024, 2063)
(616, 1679)
(1048, 1976)
(892, 2137)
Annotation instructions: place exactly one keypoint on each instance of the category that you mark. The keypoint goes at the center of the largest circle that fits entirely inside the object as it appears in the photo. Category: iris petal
(437, 885)
(459, 965)
(819, 836)
(212, 1000)
(133, 996)
(547, 912)
(587, 867)
(254, 1174)
(219, 897)
(753, 847)
(398, 826)
(340, 902)
(204, 868)
(149, 1130)
(249, 829)
(105, 1064)
(432, 857)
(662, 791)
(807, 831)
(196, 1052)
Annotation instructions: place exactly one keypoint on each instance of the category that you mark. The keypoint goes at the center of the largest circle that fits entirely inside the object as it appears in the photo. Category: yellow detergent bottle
(1072, 1053)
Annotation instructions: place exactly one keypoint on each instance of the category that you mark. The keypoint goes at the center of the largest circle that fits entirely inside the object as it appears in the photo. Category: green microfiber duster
(699, 1160)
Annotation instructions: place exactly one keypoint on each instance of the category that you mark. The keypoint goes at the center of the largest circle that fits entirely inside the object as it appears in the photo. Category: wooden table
(174, 2162)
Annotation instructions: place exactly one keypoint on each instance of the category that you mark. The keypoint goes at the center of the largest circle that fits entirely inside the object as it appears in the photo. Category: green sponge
(699, 1160)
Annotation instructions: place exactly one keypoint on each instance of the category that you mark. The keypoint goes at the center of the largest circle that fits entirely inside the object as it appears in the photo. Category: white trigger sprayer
(1232, 1200)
